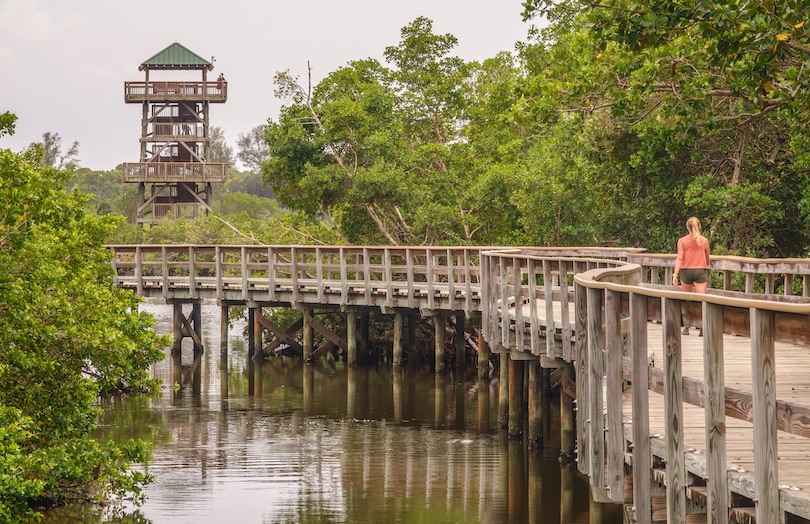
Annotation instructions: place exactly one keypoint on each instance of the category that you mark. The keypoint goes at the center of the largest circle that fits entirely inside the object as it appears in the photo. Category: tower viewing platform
(175, 171)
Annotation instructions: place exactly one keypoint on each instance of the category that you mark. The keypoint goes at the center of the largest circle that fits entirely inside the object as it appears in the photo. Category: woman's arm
(678, 262)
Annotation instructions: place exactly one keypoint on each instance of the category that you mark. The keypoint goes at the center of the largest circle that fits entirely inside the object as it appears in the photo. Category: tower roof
(176, 56)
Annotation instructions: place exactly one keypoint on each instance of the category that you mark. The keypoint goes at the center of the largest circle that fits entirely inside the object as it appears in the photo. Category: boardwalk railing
(413, 277)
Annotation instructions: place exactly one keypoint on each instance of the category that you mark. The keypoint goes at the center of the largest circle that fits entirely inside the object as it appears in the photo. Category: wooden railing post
(139, 270)
(763, 367)
(550, 330)
(581, 356)
(613, 401)
(673, 411)
(715, 413)
(642, 458)
(595, 405)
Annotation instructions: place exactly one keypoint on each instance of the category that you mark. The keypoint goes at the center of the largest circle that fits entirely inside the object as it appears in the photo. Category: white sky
(63, 63)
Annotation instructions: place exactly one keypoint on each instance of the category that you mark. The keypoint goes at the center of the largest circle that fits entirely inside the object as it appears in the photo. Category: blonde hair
(693, 226)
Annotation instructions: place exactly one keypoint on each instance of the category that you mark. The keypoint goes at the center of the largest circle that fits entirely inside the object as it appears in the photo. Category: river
(281, 442)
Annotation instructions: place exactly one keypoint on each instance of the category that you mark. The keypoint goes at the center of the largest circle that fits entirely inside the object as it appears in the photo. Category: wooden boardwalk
(723, 419)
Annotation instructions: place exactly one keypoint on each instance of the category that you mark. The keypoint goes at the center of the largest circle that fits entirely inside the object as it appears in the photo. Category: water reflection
(243, 441)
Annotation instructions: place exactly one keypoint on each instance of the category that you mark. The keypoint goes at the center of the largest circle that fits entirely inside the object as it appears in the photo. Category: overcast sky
(63, 63)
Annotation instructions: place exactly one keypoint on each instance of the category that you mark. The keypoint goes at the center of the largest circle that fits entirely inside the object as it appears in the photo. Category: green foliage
(68, 336)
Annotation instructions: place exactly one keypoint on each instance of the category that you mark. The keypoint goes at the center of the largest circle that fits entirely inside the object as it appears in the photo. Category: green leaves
(68, 337)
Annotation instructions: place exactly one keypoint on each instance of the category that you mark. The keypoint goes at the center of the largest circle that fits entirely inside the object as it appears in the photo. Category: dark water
(285, 443)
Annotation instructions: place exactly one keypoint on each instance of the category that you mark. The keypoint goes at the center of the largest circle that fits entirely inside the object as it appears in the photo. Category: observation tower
(174, 175)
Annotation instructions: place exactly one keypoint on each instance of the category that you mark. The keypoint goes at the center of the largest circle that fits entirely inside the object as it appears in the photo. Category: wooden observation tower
(174, 175)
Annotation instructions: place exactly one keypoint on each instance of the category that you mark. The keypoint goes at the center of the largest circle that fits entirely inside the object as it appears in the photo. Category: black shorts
(691, 276)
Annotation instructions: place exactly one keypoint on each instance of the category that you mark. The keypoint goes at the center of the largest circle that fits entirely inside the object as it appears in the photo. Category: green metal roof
(176, 56)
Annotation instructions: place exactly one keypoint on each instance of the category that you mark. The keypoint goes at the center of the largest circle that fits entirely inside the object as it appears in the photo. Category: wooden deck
(726, 416)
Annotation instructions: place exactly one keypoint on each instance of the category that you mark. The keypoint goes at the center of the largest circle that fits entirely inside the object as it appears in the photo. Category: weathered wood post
(397, 356)
(251, 325)
(309, 339)
(483, 356)
(715, 413)
(536, 394)
(177, 325)
(223, 327)
(763, 364)
(257, 333)
(483, 404)
(196, 315)
(351, 338)
(642, 455)
(567, 437)
(503, 392)
(516, 371)
(673, 411)
(439, 334)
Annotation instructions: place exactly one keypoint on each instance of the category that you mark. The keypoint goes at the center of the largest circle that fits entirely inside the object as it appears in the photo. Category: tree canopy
(611, 125)
(68, 336)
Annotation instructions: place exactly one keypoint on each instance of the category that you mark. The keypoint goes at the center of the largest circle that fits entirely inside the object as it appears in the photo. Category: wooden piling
(223, 328)
(351, 338)
(567, 435)
(397, 354)
(364, 333)
(536, 394)
(439, 333)
(515, 425)
(196, 315)
(252, 325)
(503, 392)
(483, 357)
(309, 339)
(177, 324)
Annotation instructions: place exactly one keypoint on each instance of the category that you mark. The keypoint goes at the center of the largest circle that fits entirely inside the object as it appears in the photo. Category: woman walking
(692, 264)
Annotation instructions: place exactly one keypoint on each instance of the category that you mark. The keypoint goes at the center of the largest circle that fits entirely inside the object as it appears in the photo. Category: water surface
(279, 442)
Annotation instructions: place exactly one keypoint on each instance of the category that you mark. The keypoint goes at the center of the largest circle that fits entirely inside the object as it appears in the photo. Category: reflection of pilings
(535, 488)
(536, 394)
(351, 338)
(461, 343)
(566, 494)
(439, 409)
(516, 370)
(596, 512)
(503, 392)
(483, 405)
(309, 388)
(566, 416)
(257, 377)
(439, 335)
(223, 374)
(458, 386)
(351, 392)
(177, 371)
(483, 356)
(397, 358)
(397, 379)
(516, 485)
